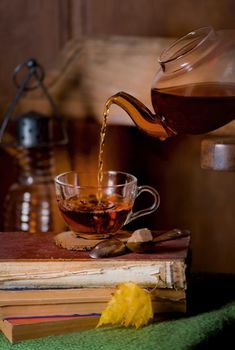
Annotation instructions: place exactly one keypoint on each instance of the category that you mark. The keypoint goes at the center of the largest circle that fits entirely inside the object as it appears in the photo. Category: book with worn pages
(28, 314)
(34, 261)
(48, 290)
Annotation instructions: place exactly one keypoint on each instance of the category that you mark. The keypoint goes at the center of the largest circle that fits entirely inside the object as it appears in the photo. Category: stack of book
(47, 290)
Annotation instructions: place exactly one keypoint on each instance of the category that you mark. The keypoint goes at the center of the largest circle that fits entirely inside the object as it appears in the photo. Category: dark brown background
(203, 201)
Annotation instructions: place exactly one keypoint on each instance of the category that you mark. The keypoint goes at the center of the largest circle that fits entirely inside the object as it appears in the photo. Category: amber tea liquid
(101, 150)
(102, 142)
(195, 108)
(94, 217)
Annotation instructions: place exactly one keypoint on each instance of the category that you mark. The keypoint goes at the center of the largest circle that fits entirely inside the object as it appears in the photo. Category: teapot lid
(199, 39)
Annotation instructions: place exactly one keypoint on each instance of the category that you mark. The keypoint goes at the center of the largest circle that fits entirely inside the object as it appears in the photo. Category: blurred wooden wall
(202, 201)
(40, 28)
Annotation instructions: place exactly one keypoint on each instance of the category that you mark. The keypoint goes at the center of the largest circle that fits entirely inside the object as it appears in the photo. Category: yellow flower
(130, 305)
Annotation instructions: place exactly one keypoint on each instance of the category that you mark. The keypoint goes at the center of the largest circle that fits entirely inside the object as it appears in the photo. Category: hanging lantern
(30, 203)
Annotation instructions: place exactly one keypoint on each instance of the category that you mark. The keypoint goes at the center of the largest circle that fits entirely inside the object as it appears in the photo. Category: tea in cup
(95, 210)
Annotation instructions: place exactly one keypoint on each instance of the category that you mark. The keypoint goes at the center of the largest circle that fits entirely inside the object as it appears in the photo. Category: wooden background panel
(149, 17)
(90, 70)
(28, 29)
(41, 28)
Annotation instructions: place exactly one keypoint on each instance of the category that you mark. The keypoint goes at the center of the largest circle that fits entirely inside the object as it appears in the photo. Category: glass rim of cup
(62, 183)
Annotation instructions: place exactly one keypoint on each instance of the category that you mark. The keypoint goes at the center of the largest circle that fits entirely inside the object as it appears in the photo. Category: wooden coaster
(69, 240)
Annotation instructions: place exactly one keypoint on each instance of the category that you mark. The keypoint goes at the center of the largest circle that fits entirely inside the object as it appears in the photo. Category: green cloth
(204, 331)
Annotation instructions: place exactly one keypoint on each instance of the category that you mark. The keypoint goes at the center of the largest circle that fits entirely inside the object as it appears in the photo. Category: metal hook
(35, 69)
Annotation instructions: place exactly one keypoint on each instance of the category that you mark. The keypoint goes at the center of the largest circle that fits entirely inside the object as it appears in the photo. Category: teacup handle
(156, 202)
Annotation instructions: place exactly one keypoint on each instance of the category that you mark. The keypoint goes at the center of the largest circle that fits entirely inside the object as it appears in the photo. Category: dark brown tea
(195, 108)
(94, 216)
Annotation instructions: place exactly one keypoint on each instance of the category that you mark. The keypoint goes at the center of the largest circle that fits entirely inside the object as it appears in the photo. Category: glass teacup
(97, 212)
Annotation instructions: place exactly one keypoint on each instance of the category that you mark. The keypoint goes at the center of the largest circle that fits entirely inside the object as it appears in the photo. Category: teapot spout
(144, 119)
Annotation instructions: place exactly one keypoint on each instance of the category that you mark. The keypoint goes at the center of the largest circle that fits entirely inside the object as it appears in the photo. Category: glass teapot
(193, 92)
